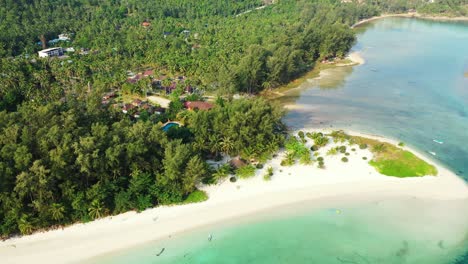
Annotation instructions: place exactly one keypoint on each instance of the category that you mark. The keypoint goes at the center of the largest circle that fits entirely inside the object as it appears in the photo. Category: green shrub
(295, 147)
(269, 174)
(344, 159)
(332, 151)
(314, 148)
(401, 144)
(321, 165)
(343, 149)
(233, 179)
(364, 158)
(259, 166)
(339, 136)
(321, 141)
(222, 172)
(196, 197)
(301, 134)
(363, 146)
(305, 158)
(353, 149)
(314, 135)
(245, 172)
(289, 160)
(347, 154)
(320, 158)
(379, 148)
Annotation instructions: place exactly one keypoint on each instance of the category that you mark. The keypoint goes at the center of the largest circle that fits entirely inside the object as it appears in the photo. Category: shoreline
(229, 201)
(352, 59)
(410, 15)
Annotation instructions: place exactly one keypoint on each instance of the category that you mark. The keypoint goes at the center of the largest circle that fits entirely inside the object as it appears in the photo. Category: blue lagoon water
(411, 88)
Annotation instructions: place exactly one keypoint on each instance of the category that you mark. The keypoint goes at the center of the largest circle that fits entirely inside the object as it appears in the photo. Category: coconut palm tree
(24, 225)
(227, 145)
(57, 210)
(96, 210)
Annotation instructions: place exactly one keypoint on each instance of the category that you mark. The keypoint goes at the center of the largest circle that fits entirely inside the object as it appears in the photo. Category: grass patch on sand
(245, 172)
(393, 161)
(196, 197)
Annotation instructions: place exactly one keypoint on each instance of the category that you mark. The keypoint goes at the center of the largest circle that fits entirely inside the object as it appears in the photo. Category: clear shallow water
(411, 88)
(385, 231)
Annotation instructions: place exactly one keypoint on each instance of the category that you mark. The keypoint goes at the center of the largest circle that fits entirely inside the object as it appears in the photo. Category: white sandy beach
(228, 200)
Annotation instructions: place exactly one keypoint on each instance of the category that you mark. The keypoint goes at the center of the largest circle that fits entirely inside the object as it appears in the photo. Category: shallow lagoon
(412, 87)
(384, 231)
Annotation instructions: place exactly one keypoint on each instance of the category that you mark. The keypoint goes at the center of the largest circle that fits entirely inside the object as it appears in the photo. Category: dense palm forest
(205, 40)
(66, 157)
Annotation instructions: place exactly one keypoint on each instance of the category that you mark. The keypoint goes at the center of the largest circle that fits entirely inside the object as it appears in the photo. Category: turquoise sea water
(382, 231)
(411, 88)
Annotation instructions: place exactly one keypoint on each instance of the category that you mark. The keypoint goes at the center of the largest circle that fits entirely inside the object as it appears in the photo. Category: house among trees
(107, 97)
(237, 163)
(148, 73)
(137, 102)
(135, 78)
(198, 105)
(51, 52)
(146, 24)
(127, 107)
(64, 37)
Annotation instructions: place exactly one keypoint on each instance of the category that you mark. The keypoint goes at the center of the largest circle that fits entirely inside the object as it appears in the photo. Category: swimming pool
(168, 125)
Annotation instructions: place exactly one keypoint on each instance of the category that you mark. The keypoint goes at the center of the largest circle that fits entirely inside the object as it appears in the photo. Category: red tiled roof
(148, 73)
(137, 102)
(198, 105)
(128, 107)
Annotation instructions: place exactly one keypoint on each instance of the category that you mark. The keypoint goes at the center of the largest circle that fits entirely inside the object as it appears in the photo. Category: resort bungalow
(137, 102)
(148, 73)
(127, 107)
(64, 37)
(52, 52)
(237, 163)
(198, 105)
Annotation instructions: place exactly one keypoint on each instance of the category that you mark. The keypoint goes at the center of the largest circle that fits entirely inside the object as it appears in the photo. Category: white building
(64, 37)
(52, 52)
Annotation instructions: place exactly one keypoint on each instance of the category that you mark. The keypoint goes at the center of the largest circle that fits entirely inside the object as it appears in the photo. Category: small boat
(438, 141)
(210, 237)
(432, 153)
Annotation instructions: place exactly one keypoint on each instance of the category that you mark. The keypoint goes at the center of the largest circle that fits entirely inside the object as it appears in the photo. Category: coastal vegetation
(67, 162)
(66, 155)
(196, 196)
(296, 149)
(268, 174)
(391, 160)
(245, 172)
(218, 51)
